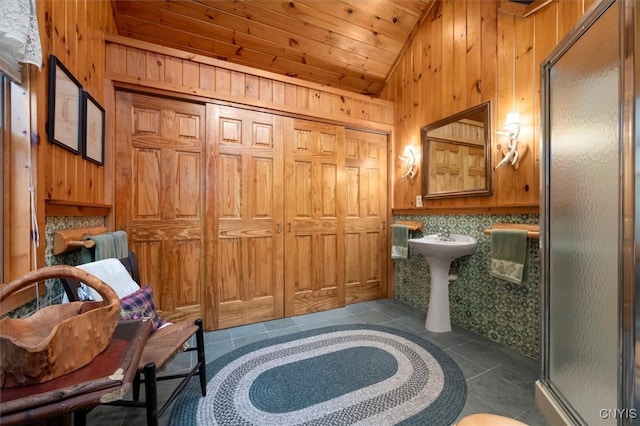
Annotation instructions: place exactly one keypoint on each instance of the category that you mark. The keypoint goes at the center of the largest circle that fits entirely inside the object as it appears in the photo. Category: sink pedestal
(439, 251)
(438, 319)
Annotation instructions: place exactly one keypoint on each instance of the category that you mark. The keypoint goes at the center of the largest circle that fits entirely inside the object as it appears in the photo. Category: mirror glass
(456, 155)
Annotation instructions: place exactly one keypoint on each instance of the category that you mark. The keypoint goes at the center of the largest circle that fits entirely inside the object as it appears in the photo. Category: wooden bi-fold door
(366, 249)
(251, 215)
(159, 197)
(248, 218)
(314, 214)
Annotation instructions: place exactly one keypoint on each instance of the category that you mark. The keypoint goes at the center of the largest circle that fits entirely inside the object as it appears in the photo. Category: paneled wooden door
(314, 213)
(249, 244)
(365, 216)
(455, 167)
(159, 197)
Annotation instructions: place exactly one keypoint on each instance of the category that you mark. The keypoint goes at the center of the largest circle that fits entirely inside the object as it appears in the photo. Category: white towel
(113, 273)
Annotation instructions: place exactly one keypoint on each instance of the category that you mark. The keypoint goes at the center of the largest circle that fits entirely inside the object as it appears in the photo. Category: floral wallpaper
(505, 313)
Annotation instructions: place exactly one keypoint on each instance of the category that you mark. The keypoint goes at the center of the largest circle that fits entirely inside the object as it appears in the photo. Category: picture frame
(93, 130)
(65, 107)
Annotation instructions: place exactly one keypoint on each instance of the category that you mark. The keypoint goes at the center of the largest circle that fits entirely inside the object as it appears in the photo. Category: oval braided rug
(341, 375)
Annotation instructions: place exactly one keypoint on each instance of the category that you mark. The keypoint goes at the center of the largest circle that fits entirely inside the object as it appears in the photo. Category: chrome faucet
(443, 234)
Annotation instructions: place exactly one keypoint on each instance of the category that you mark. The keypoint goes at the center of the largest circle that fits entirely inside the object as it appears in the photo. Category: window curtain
(19, 37)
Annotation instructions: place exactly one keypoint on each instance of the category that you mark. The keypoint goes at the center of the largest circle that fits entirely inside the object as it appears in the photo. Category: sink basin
(439, 253)
(433, 246)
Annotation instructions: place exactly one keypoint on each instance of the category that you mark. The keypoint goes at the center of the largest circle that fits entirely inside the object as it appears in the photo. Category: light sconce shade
(512, 123)
(410, 161)
(514, 150)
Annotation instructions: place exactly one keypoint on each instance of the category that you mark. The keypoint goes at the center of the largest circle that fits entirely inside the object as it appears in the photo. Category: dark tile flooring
(499, 380)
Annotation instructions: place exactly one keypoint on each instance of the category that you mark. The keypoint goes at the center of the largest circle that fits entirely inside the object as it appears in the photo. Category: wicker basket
(57, 339)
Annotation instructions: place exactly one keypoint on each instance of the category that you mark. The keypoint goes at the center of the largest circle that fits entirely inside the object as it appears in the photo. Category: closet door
(159, 196)
(314, 212)
(366, 216)
(247, 187)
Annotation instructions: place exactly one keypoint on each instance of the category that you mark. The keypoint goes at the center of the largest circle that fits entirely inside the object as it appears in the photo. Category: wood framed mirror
(457, 155)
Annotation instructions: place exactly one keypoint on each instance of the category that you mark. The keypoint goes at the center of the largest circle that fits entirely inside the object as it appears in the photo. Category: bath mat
(340, 375)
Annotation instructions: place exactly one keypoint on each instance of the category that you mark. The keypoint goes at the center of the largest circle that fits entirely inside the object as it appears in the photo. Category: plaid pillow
(139, 305)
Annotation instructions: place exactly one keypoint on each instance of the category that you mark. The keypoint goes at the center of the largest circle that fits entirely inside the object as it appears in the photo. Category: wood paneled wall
(155, 67)
(73, 31)
(465, 53)
(14, 135)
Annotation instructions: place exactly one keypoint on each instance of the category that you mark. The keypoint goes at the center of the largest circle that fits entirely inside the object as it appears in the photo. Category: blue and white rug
(341, 375)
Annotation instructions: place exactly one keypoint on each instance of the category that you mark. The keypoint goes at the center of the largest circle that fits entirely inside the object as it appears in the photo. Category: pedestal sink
(439, 251)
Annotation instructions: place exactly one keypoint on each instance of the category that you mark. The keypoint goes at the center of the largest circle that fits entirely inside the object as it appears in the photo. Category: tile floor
(499, 380)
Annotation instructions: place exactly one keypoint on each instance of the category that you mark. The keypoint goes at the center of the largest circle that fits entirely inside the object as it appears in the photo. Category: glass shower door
(581, 214)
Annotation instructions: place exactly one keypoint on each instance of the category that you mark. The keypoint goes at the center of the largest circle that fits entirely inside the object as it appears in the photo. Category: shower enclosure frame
(549, 399)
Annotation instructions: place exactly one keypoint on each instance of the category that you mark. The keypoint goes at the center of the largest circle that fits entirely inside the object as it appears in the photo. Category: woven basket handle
(60, 271)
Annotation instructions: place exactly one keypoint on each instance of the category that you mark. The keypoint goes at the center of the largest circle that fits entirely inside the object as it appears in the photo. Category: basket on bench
(57, 339)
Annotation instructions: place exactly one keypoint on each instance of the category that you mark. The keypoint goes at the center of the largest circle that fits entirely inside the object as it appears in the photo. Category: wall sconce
(514, 151)
(410, 161)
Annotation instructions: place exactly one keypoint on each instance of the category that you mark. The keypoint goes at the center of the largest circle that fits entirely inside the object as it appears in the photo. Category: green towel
(399, 241)
(508, 254)
(105, 248)
(121, 244)
(108, 245)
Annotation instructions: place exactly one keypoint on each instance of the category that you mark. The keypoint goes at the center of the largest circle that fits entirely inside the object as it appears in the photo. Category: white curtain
(19, 37)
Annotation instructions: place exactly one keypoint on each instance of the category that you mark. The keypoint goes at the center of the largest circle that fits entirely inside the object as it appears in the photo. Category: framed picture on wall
(93, 130)
(65, 107)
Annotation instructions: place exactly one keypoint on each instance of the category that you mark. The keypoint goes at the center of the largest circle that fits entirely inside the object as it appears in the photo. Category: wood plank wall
(16, 180)
(155, 67)
(73, 31)
(465, 53)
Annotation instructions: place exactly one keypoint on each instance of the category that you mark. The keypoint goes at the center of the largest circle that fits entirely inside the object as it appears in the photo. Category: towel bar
(533, 231)
(70, 239)
(413, 225)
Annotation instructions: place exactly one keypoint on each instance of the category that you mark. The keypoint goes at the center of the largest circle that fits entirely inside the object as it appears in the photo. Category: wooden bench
(159, 349)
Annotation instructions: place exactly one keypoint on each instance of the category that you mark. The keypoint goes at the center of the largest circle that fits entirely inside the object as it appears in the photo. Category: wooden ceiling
(348, 44)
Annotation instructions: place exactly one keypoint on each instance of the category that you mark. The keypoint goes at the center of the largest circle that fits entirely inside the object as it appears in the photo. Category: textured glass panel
(3, 101)
(584, 219)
